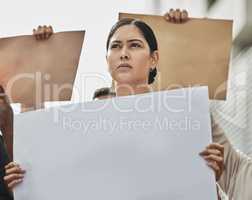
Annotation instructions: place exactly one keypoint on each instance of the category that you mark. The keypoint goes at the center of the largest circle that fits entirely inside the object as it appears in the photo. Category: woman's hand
(43, 32)
(176, 16)
(13, 175)
(214, 156)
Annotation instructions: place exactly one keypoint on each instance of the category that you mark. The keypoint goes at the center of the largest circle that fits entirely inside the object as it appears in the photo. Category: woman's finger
(48, 34)
(171, 15)
(10, 165)
(39, 31)
(216, 146)
(12, 177)
(214, 158)
(44, 32)
(177, 16)
(211, 151)
(34, 31)
(184, 16)
(16, 170)
(14, 183)
(50, 30)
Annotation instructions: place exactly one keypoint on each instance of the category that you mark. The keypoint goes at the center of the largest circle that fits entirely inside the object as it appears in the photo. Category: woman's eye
(113, 46)
(135, 45)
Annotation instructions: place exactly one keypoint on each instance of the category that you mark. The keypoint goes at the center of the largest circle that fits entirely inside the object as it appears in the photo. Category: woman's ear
(108, 68)
(155, 58)
(107, 60)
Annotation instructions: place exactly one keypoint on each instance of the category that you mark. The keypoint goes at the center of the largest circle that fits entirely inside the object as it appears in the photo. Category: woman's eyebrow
(135, 40)
(116, 41)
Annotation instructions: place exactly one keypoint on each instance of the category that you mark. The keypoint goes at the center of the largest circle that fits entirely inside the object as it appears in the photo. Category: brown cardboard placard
(33, 72)
(193, 53)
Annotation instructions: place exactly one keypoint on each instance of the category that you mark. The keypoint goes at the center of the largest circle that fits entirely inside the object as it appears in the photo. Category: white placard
(143, 147)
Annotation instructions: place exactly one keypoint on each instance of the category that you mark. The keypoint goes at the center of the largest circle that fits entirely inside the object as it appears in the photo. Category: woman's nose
(124, 57)
(124, 54)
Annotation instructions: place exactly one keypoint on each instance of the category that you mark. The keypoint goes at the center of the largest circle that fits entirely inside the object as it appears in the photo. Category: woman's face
(128, 57)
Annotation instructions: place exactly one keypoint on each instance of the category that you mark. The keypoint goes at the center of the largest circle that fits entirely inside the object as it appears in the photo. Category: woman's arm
(6, 122)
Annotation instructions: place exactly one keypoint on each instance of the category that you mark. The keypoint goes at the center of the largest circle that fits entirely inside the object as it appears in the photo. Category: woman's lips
(124, 65)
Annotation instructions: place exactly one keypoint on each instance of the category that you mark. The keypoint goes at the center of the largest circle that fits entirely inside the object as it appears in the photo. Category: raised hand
(176, 16)
(43, 32)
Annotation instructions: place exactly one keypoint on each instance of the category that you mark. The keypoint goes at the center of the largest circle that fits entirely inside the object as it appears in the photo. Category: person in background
(103, 93)
(6, 141)
(6, 123)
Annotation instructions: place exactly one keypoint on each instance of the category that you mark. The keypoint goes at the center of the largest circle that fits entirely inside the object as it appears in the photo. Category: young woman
(132, 57)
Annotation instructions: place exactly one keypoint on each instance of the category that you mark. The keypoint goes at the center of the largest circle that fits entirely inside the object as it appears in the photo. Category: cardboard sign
(193, 53)
(33, 72)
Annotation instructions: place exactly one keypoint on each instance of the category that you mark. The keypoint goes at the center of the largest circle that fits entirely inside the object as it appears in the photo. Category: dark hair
(147, 32)
(103, 92)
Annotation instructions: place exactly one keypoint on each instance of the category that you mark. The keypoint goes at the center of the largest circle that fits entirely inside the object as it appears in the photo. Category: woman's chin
(123, 78)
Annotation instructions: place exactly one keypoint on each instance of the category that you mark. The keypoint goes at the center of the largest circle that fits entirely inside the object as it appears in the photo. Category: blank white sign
(142, 147)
